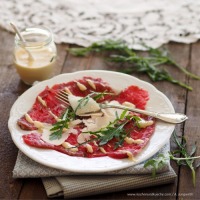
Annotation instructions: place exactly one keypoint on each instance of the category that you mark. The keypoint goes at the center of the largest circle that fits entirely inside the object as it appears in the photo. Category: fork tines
(63, 97)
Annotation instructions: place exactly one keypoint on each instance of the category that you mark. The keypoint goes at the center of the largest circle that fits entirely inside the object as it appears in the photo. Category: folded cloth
(28, 168)
(79, 186)
(72, 184)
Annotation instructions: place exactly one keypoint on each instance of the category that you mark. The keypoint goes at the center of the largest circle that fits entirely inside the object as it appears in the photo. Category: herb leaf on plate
(59, 126)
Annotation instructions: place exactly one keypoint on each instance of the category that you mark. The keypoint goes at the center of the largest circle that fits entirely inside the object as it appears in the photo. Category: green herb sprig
(115, 130)
(95, 95)
(70, 115)
(58, 127)
(186, 158)
(156, 163)
(149, 65)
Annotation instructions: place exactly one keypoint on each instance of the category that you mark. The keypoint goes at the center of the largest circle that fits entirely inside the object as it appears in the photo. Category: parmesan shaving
(90, 106)
(46, 136)
(83, 137)
(96, 123)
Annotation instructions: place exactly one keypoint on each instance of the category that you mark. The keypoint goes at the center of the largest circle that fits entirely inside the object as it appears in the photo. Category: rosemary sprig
(58, 127)
(149, 65)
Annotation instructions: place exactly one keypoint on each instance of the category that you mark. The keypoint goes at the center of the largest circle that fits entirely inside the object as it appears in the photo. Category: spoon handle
(173, 118)
(22, 40)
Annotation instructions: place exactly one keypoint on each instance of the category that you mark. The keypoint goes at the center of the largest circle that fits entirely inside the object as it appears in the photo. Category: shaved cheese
(83, 137)
(66, 132)
(72, 124)
(42, 101)
(114, 111)
(132, 141)
(96, 123)
(81, 86)
(90, 106)
(75, 122)
(46, 134)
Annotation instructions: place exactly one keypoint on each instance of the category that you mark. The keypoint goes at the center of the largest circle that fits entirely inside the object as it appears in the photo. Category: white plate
(158, 102)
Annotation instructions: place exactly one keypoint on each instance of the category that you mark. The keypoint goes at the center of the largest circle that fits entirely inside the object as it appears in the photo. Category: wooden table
(184, 102)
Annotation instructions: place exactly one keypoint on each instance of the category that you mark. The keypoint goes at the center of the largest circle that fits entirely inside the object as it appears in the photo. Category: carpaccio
(54, 107)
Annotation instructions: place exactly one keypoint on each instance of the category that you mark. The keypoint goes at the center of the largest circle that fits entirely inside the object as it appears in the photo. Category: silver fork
(173, 118)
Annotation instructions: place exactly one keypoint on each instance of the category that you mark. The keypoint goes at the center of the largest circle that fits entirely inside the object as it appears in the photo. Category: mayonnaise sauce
(39, 69)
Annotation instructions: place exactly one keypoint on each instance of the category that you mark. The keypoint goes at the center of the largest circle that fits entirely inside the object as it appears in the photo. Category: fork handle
(173, 118)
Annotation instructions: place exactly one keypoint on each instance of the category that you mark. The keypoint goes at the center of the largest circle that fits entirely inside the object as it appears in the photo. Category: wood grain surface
(184, 102)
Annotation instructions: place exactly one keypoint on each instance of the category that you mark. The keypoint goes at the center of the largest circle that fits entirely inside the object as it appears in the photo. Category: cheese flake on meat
(66, 133)
(46, 134)
(90, 106)
(96, 123)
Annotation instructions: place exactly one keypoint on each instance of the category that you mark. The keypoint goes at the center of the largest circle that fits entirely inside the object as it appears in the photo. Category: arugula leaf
(60, 125)
(115, 130)
(112, 132)
(156, 163)
(141, 64)
(186, 158)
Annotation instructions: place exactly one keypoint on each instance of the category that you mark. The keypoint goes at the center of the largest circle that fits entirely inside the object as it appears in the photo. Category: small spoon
(22, 40)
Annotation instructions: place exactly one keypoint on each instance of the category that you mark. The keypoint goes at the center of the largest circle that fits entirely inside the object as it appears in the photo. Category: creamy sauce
(39, 69)
(91, 83)
(132, 141)
(81, 86)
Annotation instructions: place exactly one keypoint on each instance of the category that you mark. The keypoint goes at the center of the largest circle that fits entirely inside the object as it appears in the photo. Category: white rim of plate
(92, 73)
